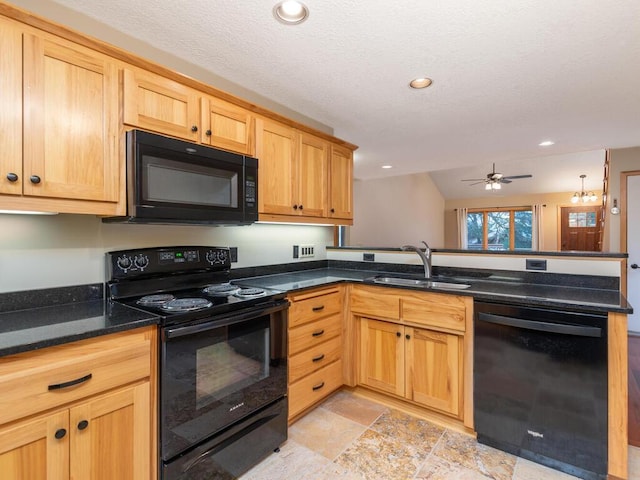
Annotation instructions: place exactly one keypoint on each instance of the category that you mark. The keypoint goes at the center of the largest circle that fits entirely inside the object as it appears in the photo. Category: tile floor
(351, 438)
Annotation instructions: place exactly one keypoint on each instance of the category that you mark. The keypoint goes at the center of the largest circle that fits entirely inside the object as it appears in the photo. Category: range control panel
(166, 260)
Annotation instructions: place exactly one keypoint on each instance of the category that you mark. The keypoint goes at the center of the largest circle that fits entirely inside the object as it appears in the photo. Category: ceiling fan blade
(477, 183)
(473, 180)
(504, 180)
(511, 177)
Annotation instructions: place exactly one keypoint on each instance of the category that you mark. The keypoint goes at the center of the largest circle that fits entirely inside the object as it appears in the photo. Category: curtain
(461, 214)
(537, 236)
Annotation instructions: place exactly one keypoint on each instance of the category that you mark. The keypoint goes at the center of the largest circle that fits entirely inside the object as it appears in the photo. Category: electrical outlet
(233, 254)
(369, 257)
(296, 251)
(307, 251)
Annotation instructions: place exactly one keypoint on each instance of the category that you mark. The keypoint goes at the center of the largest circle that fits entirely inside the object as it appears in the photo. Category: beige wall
(621, 160)
(549, 217)
(390, 212)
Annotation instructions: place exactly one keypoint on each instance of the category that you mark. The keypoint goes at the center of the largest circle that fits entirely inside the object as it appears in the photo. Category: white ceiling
(506, 74)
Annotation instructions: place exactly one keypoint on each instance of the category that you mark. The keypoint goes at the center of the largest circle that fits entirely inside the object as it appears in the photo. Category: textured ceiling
(506, 74)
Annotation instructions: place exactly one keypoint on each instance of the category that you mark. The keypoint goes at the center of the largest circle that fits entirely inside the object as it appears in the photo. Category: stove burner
(250, 292)
(186, 304)
(155, 300)
(221, 289)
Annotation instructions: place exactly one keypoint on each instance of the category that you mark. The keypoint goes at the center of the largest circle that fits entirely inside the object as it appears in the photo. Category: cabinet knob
(634, 265)
(12, 177)
(35, 179)
(60, 433)
(208, 133)
(295, 207)
(194, 128)
(407, 336)
(82, 424)
(333, 210)
(300, 207)
(398, 334)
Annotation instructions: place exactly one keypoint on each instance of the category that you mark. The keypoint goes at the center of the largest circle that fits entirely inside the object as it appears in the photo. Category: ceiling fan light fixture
(290, 12)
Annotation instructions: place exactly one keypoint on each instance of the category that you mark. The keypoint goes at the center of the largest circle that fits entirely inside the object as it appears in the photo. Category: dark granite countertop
(45, 326)
(578, 298)
(564, 253)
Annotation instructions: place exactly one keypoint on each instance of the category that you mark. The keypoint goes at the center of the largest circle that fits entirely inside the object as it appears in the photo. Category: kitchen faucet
(425, 256)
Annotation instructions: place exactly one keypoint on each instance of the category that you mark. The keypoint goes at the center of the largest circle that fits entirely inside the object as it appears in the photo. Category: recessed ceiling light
(423, 82)
(290, 12)
(387, 166)
(546, 143)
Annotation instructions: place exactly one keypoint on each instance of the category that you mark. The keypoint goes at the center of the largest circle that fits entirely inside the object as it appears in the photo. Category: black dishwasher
(540, 385)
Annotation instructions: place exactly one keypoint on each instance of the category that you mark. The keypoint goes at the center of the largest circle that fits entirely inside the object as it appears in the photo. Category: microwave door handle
(575, 330)
(223, 321)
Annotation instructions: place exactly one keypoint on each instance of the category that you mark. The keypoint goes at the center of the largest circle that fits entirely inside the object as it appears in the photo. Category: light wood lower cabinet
(87, 426)
(315, 347)
(415, 345)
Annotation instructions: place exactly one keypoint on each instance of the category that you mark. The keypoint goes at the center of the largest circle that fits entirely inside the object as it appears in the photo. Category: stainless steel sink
(418, 282)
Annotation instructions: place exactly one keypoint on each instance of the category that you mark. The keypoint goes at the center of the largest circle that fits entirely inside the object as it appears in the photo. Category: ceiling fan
(494, 180)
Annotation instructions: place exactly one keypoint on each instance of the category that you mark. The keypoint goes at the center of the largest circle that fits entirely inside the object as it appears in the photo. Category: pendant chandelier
(583, 196)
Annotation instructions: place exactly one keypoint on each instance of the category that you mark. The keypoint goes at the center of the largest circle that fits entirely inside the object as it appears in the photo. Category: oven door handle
(540, 326)
(225, 320)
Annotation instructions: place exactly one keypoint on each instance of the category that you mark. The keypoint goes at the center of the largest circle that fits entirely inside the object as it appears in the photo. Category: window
(499, 229)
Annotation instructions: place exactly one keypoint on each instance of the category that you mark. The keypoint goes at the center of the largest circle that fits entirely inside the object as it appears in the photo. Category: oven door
(218, 371)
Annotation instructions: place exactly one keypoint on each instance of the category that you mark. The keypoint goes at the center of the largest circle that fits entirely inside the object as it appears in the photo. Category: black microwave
(173, 181)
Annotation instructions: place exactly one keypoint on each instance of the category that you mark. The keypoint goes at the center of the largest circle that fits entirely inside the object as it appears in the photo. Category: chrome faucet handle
(426, 246)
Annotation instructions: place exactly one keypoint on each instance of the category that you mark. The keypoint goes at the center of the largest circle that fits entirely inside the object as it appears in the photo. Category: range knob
(216, 256)
(124, 263)
(141, 261)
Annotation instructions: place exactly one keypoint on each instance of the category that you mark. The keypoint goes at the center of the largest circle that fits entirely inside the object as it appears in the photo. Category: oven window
(231, 365)
(178, 182)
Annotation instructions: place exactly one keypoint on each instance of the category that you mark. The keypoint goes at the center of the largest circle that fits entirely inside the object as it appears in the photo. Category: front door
(579, 228)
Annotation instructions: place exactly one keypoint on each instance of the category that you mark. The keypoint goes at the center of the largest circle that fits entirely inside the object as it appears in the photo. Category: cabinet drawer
(314, 358)
(315, 387)
(315, 307)
(312, 334)
(376, 301)
(33, 382)
(434, 310)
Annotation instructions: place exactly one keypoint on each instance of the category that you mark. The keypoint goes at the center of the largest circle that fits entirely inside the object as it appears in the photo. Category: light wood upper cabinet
(160, 105)
(341, 183)
(11, 108)
(312, 176)
(70, 122)
(276, 149)
(228, 126)
(59, 123)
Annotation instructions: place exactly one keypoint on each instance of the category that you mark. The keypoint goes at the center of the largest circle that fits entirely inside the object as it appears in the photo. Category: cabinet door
(341, 183)
(31, 451)
(313, 164)
(277, 168)
(111, 435)
(11, 110)
(71, 121)
(161, 105)
(433, 361)
(382, 355)
(227, 126)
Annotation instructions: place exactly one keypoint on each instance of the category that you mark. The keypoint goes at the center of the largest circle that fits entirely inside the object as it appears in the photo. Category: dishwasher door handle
(561, 328)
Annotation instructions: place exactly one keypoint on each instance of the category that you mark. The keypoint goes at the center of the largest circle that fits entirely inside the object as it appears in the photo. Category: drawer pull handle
(317, 334)
(70, 383)
(318, 387)
(82, 424)
(60, 433)
(318, 309)
(318, 358)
